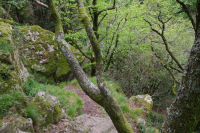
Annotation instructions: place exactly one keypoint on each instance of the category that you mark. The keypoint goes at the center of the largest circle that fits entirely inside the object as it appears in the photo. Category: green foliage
(155, 120)
(32, 112)
(153, 123)
(5, 45)
(118, 95)
(68, 99)
(14, 99)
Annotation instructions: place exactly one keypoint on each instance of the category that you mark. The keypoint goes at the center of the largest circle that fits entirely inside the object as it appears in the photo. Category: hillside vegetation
(96, 66)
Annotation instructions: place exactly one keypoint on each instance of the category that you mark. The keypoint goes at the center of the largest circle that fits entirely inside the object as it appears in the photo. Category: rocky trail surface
(93, 119)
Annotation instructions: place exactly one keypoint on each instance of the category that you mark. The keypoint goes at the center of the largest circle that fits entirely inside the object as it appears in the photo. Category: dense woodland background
(145, 47)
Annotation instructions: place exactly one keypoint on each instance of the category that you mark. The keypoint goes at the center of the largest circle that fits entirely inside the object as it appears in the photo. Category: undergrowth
(118, 95)
(154, 120)
(68, 99)
(16, 99)
(153, 123)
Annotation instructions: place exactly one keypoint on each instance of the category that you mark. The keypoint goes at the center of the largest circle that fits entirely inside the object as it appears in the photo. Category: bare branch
(102, 18)
(151, 26)
(41, 4)
(80, 49)
(164, 65)
(164, 40)
(112, 53)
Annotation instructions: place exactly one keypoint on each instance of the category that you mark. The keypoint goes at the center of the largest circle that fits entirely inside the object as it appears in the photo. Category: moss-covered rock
(17, 124)
(141, 107)
(141, 101)
(45, 109)
(40, 51)
(12, 70)
(8, 76)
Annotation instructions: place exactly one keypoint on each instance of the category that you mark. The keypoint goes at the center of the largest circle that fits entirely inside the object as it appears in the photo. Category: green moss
(84, 16)
(68, 99)
(63, 67)
(8, 75)
(5, 37)
(5, 29)
(40, 51)
(143, 101)
(9, 21)
(14, 99)
(44, 108)
(37, 46)
(32, 112)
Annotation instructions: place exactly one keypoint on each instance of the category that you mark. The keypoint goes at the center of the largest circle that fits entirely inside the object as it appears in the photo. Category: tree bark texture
(184, 113)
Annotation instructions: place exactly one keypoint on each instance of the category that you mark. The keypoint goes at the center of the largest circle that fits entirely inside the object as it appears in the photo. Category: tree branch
(186, 10)
(166, 67)
(80, 49)
(41, 4)
(165, 40)
(88, 87)
(102, 18)
(112, 53)
(110, 8)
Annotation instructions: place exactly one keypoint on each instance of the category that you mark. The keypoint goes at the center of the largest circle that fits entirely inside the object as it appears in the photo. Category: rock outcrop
(40, 52)
(17, 124)
(47, 108)
(84, 124)
(144, 104)
(12, 70)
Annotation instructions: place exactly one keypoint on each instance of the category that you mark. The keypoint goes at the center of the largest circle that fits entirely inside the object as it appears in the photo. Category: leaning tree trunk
(99, 94)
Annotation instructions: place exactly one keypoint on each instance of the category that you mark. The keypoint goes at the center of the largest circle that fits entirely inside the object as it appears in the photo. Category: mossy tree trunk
(184, 113)
(99, 94)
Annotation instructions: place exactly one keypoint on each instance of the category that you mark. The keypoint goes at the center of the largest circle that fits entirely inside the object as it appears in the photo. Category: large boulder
(17, 124)
(84, 124)
(40, 52)
(141, 106)
(90, 124)
(33, 48)
(12, 70)
(144, 102)
(45, 109)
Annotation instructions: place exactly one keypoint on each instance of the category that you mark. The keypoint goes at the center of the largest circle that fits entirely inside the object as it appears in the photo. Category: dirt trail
(93, 120)
(89, 106)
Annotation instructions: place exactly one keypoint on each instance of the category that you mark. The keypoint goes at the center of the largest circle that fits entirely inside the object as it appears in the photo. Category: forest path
(93, 118)
(89, 106)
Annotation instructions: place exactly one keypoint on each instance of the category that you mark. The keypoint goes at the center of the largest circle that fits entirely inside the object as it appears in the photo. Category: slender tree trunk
(99, 94)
